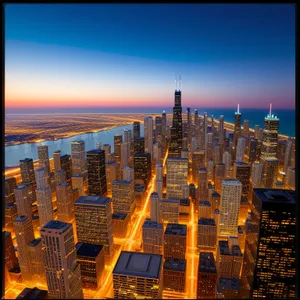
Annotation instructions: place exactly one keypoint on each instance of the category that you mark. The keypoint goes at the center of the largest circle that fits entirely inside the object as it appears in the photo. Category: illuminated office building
(204, 210)
(33, 293)
(170, 210)
(246, 129)
(120, 222)
(27, 170)
(139, 145)
(207, 233)
(240, 151)
(174, 273)
(215, 201)
(289, 154)
(148, 135)
(155, 208)
(207, 276)
(227, 162)
(211, 170)
(270, 250)
(198, 161)
(43, 156)
(153, 237)
(291, 178)
(202, 185)
(65, 204)
(136, 130)
(94, 221)
(256, 174)
(159, 180)
(56, 159)
(175, 241)
(66, 165)
(128, 174)
(60, 176)
(111, 172)
(107, 149)
(220, 171)
(242, 172)
(230, 206)
(253, 151)
(90, 257)
(23, 201)
(142, 167)
(138, 276)
(10, 258)
(78, 157)
(158, 132)
(228, 288)
(203, 133)
(24, 235)
(37, 261)
(78, 183)
(123, 198)
(118, 140)
(177, 177)
(280, 153)
(10, 186)
(10, 214)
(125, 155)
(157, 157)
(269, 172)
(62, 271)
(237, 126)
(96, 173)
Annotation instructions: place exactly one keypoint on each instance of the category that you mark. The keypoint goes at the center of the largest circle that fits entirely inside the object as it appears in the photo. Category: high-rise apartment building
(62, 271)
(43, 156)
(230, 206)
(175, 241)
(177, 177)
(78, 157)
(138, 275)
(270, 249)
(153, 237)
(123, 198)
(94, 222)
(96, 173)
(207, 276)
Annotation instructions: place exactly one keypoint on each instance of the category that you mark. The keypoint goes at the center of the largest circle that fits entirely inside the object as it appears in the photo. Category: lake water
(17, 152)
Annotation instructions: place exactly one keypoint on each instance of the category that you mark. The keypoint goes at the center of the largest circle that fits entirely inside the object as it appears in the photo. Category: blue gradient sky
(128, 55)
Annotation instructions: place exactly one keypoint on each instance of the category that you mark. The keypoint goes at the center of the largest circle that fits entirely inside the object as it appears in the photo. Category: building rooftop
(228, 284)
(205, 221)
(95, 151)
(176, 229)
(56, 225)
(65, 156)
(175, 264)
(231, 181)
(63, 184)
(141, 155)
(276, 195)
(10, 205)
(236, 251)
(138, 264)
(241, 163)
(119, 216)
(111, 163)
(168, 200)
(224, 248)
(122, 182)
(34, 293)
(35, 242)
(207, 263)
(185, 202)
(76, 175)
(177, 159)
(88, 250)
(92, 200)
(25, 160)
(152, 224)
(205, 203)
(20, 219)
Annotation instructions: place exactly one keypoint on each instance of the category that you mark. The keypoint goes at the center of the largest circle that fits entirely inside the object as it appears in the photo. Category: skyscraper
(142, 167)
(176, 130)
(139, 145)
(158, 127)
(177, 177)
(174, 274)
(153, 237)
(27, 170)
(270, 250)
(242, 172)
(94, 222)
(43, 156)
(227, 162)
(118, 140)
(107, 149)
(65, 204)
(10, 258)
(237, 127)
(24, 235)
(78, 157)
(23, 201)
(62, 271)
(56, 159)
(148, 135)
(136, 130)
(96, 172)
(66, 165)
(230, 206)
(10, 186)
(123, 197)
(155, 208)
(240, 151)
(78, 183)
(256, 173)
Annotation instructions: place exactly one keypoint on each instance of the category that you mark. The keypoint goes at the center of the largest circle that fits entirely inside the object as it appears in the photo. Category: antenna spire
(238, 109)
(270, 113)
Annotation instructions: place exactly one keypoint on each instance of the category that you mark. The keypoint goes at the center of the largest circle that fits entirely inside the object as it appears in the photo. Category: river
(17, 152)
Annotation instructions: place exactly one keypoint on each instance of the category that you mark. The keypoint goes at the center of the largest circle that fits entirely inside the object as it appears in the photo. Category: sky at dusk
(116, 55)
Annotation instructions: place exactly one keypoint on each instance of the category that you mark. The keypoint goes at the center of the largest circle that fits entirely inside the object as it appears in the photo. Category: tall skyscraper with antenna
(176, 130)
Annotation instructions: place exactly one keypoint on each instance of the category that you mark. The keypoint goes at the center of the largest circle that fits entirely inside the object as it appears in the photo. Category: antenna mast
(238, 109)
(270, 113)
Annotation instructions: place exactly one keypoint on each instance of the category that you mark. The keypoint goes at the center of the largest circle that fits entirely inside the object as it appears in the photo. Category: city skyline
(128, 55)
